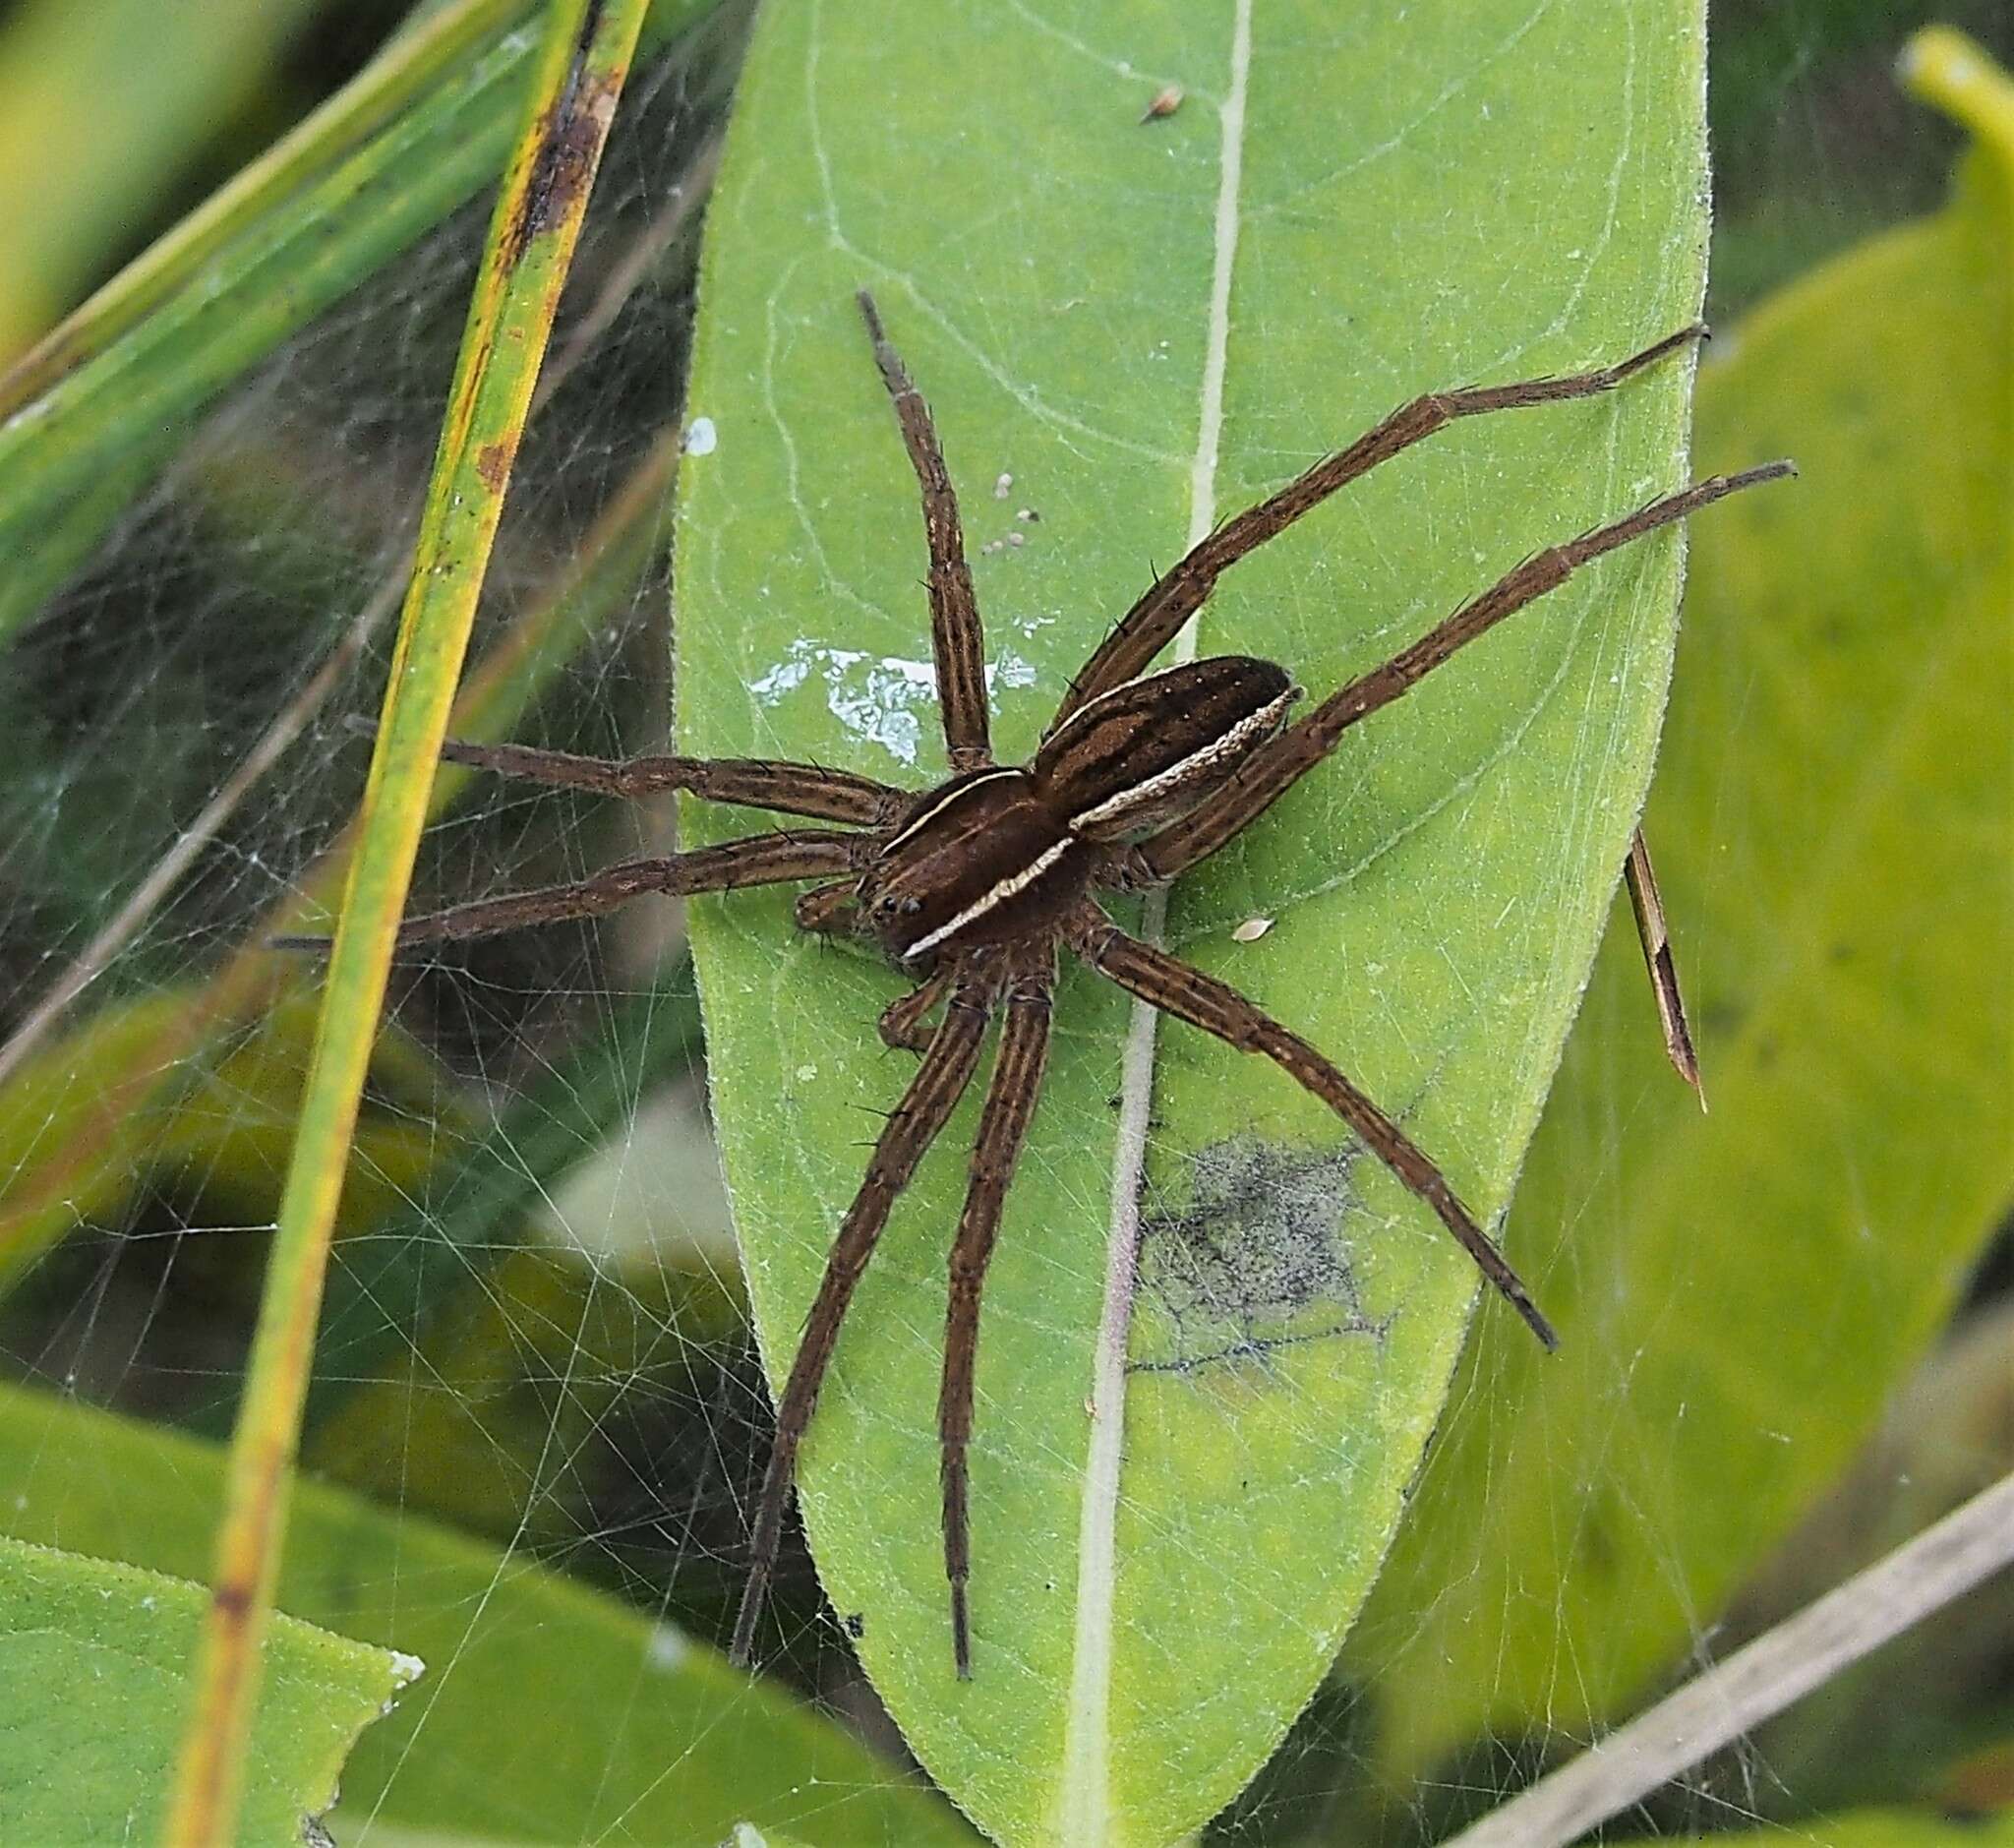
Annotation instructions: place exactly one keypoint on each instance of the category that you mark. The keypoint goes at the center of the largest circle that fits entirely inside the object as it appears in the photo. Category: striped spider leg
(975, 887)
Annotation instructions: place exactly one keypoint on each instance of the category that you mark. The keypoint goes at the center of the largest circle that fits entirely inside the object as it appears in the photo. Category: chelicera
(976, 888)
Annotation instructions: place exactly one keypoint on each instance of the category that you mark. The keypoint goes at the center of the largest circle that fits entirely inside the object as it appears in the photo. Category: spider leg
(939, 1082)
(755, 859)
(1654, 935)
(790, 789)
(956, 637)
(1276, 765)
(1175, 987)
(829, 909)
(1173, 597)
(1003, 1126)
(900, 1025)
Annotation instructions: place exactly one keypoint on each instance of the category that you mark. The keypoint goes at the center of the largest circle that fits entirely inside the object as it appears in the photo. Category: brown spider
(973, 887)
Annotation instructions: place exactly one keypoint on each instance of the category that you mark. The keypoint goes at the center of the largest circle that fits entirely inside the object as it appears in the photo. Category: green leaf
(639, 1730)
(1346, 209)
(1833, 820)
(94, 1682)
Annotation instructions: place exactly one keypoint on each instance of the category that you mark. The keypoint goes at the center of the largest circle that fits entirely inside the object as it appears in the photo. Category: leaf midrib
(1086, 1799)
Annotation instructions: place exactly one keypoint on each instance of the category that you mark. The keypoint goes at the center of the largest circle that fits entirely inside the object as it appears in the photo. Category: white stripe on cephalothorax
(996, 895)
(945, 801)
(1264, 719)
(1087, 714)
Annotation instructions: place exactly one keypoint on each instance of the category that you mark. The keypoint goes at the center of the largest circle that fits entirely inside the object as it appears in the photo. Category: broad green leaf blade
(1833, 820)
(641, 1732)
(1348, 208)
(95, 1680)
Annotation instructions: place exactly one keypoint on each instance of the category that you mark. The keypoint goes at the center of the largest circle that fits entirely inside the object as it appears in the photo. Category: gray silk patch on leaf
(1255, 1260)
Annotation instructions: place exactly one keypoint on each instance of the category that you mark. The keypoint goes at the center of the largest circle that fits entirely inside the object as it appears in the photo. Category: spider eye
(911, 905)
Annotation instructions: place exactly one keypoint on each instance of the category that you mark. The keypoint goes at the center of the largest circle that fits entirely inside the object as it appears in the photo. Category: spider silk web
(535, 1329)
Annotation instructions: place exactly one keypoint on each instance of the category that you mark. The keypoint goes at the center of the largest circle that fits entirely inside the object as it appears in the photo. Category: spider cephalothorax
(974, 888)
(995, 854)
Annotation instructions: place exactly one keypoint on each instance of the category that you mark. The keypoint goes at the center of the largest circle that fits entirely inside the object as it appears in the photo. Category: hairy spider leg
(1279, 763)
(1176, 987)
(1178, 593)
(900, 1025)
(792, 788)
(1017, 1082)
(956, 636)
(938, 1083)
(755, 859)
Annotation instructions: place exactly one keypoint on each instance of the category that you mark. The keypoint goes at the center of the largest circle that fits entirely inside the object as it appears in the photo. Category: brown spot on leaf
(493, 464)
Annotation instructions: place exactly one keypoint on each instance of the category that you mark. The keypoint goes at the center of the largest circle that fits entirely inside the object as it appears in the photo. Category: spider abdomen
(981, 860)
(1153, 748)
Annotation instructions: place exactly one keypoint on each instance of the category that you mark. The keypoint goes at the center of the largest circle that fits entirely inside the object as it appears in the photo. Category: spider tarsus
(1679, 1047)
(1782, 469)
(871, 315)
(311, 944)
(741, 1650)
(961, 1630)
(1653, 934)
(1534, 1317)
(1663, 349)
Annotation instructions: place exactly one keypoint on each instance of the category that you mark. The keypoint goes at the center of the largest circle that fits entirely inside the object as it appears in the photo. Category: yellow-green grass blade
(1834, 819)
(572, 102)
(1146, 326)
